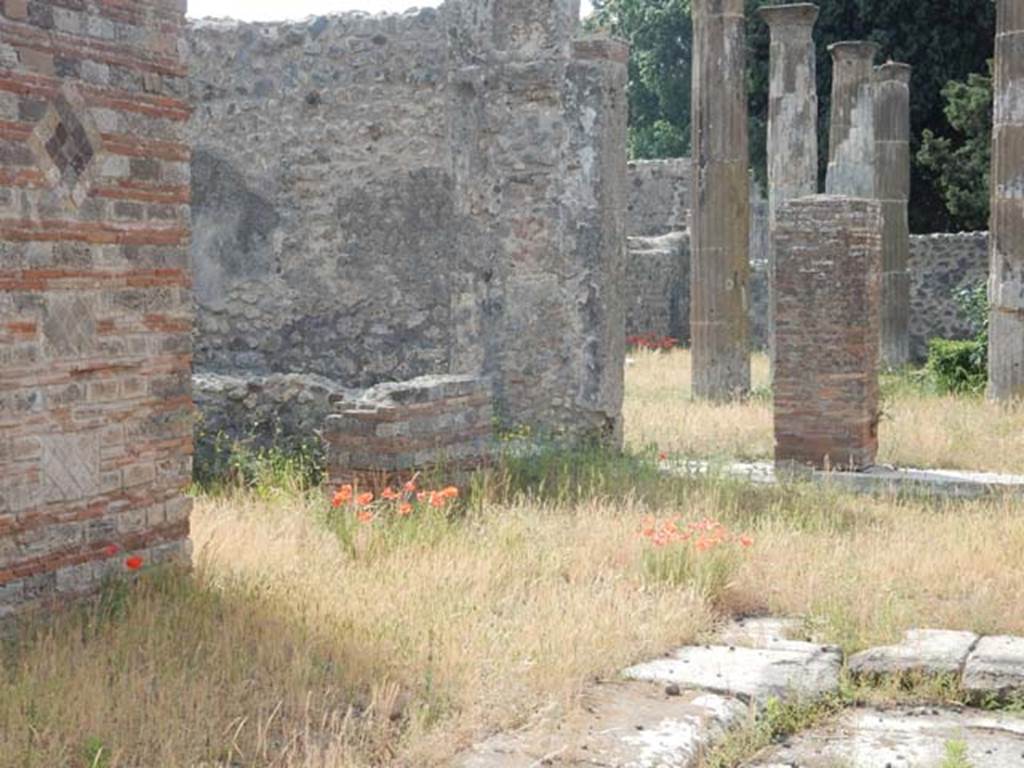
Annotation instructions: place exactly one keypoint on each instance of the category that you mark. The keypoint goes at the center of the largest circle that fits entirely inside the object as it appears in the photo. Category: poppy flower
(746, 542)
(410, 487)
(451, 492)
(342, 497)
(133, 563)
(365, 516)
(112, 550)
(389, 494)
(404, 510)
(364, 498)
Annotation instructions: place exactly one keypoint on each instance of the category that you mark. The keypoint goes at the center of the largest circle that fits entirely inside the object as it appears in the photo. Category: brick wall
(95, 320)
(395, 430)
(828, 255)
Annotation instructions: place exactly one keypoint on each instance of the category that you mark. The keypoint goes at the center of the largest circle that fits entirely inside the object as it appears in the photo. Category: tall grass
(304, 638)
(919, 428)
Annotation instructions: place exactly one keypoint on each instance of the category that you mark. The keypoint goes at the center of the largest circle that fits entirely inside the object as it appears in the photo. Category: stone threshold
(672, 711)
(877, 480)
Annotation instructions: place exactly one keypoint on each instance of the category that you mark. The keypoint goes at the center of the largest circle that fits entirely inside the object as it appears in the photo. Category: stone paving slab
(754, 674)
(619, 725)
(924, 651)
(892, 480)
(903, 738)
(996, 666)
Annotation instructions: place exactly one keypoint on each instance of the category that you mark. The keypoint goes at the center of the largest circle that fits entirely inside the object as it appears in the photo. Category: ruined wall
(659, 196)
(323, 196)
(442, 191)
(95, 314)
(657, 279)
(939, 266)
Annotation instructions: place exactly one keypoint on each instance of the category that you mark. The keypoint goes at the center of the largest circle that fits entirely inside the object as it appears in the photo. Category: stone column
(792, 118)
(721, 203)
(828, 251)
(892, 187)
(851, 150)
(1006, 284)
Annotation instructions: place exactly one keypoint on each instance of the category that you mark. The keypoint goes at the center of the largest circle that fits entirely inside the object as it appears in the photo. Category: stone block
(929, 652)
(995, 667)
(753, 674)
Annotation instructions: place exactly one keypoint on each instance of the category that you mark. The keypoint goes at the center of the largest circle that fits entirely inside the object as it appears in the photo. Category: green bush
(958, 366)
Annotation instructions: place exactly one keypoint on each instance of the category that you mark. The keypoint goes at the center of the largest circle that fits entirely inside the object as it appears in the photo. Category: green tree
(960, 165)
(661, 36)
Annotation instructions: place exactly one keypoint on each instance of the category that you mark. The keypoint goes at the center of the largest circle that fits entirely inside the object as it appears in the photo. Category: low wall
(395, 430)
(941, 265)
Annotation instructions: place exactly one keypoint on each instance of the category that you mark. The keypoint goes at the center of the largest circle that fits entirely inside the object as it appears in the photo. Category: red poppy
(133, 563)
(112, 550)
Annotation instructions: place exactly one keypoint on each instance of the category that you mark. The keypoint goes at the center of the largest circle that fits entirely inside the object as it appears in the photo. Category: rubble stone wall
(95, 306)
(384, 197)
(940, 266)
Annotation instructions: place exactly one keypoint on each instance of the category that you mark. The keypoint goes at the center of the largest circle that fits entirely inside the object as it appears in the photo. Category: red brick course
(95, 311)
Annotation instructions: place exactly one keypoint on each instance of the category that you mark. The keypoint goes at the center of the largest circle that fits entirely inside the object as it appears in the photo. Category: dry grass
(919, 429)
(292, 645)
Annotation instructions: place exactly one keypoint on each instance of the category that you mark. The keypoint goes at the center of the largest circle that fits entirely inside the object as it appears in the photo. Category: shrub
(958, 366)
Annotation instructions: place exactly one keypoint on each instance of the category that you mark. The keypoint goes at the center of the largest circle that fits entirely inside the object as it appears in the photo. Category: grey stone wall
(323, 196)
(659, 196)
(657, 279)
(940, 265)
(384, 197)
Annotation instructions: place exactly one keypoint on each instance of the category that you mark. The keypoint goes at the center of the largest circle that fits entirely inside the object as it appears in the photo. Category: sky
(275, 10)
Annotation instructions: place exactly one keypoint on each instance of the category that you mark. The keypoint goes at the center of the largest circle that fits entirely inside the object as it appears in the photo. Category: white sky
(275, 10)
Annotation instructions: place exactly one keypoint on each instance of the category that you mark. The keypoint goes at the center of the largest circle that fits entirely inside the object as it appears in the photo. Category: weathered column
(721, 204)
(828, 253)
(851, 150)
(792, 118)
(1006, 284)
(892, 187)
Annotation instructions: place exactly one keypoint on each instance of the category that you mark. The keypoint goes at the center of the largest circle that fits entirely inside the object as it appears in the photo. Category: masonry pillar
(828, 253)
(720, 223)
(95, 306)
(537, 126)
(892, 187)
(851, 150)
(792, 118)
(1006, 283)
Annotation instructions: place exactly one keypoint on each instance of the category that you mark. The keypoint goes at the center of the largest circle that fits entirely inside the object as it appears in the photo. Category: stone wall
(394, 431)
(940, 266)
(828, 256)
(657, 278)
(383, 197)
(659, 197)
(95, 310)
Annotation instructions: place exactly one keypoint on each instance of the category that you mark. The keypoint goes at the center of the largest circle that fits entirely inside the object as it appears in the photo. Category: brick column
(851, 149)
(892, 187)
(720, 223)
(1006, 284)
(95, 318)
(829, 256)
(792, 118)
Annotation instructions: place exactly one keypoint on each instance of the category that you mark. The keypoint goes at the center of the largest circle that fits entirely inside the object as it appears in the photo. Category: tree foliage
(960, 164)
(944, 41)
